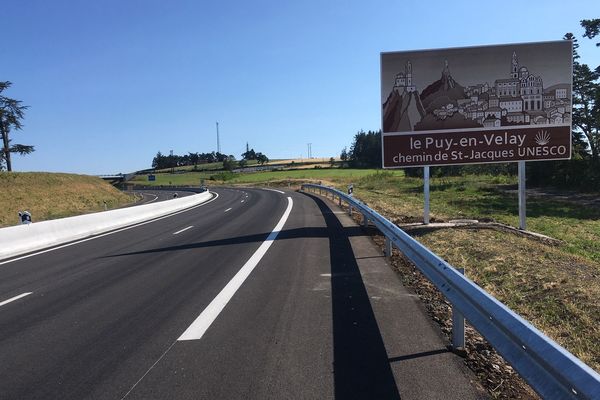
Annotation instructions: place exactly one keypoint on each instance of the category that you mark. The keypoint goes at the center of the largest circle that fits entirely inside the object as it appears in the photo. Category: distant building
(491, 122)
(507, 87)
(494, 101)
(525, 89)
(518, 118)
(495, 112)
(403, 80)
(477, 89)
(511, 104)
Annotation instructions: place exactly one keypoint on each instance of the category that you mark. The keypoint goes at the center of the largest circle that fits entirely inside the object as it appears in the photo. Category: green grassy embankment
(54, 195)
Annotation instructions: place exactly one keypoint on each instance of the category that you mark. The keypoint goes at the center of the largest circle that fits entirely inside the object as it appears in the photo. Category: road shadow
(361, 366)
(296, 233)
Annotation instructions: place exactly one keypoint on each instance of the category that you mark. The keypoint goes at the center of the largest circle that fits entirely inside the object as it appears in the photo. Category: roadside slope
(54, 195)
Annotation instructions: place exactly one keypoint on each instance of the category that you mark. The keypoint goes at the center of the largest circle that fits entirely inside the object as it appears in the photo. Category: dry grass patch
(51, 195)
(555, 291)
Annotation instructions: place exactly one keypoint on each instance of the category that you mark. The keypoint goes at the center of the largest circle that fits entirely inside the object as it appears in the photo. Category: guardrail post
(365, 221)
(388, 247)
(349, 210)
(340, 197)
(458, 328)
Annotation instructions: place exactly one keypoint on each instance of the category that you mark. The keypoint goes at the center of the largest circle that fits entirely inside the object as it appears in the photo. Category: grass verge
(53, 195)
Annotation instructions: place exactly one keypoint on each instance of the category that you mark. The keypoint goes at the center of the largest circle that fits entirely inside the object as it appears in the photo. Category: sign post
(522, 197)
(426, 194)
(477, 105)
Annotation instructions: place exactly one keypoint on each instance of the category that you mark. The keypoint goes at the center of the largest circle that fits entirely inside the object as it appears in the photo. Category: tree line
(365, 151)
(161, 161)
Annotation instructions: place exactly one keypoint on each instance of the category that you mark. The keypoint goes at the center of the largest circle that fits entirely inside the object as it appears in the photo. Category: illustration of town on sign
(507, 94)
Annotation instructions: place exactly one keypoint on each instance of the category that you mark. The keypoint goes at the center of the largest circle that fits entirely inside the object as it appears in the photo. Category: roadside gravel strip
(22, 239)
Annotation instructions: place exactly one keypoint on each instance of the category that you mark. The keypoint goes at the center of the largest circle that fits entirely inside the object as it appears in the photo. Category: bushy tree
(229, 163)
(583, 170)
(249, 155)
(365, 151)
(12, 113)
(344, 154)
(592, 28)
(261, 158)
(586, 99)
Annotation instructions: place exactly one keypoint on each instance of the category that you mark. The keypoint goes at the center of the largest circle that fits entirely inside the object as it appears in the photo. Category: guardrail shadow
(361, 365)
(308, 232)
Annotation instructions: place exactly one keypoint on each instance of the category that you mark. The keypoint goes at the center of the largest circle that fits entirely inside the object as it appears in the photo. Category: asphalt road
(254, 295)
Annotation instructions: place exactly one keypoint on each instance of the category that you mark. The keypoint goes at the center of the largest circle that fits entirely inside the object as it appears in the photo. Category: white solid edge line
(197, 329)
(15, 298)
(183, 230)
(109, 233)
(274, 190)
(229, 209)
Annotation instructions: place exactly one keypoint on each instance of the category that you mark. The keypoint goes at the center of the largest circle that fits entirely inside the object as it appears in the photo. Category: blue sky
(111, 82)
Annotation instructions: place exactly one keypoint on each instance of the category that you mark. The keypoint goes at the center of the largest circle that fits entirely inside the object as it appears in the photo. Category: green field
(486, 198)
(211, 178)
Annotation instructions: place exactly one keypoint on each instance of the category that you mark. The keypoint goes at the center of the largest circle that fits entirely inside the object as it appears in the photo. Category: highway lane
(113, 303)
(104, 316)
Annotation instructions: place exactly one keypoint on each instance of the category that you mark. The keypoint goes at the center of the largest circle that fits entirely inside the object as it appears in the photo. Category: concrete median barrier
(21, 239)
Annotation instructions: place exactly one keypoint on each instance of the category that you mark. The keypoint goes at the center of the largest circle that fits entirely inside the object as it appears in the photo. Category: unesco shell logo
(542, 138)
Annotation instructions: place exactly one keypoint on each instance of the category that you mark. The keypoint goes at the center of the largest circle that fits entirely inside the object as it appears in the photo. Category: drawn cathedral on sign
(518, 99)
(404, 79)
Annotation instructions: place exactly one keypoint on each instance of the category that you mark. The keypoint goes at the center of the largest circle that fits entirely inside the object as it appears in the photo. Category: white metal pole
(522, 197)
(426, 194)
(218, 141)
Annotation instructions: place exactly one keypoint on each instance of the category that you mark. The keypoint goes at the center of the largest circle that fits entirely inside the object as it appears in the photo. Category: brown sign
(477, 147)
(477, 104)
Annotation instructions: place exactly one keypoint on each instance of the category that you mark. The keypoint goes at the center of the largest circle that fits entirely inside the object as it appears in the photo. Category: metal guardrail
(550, 370)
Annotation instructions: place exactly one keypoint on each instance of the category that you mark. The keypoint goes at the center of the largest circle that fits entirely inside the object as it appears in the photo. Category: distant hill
(53, 195)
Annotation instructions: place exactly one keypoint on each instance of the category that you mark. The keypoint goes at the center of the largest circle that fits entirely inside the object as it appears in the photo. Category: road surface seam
(149, 369)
